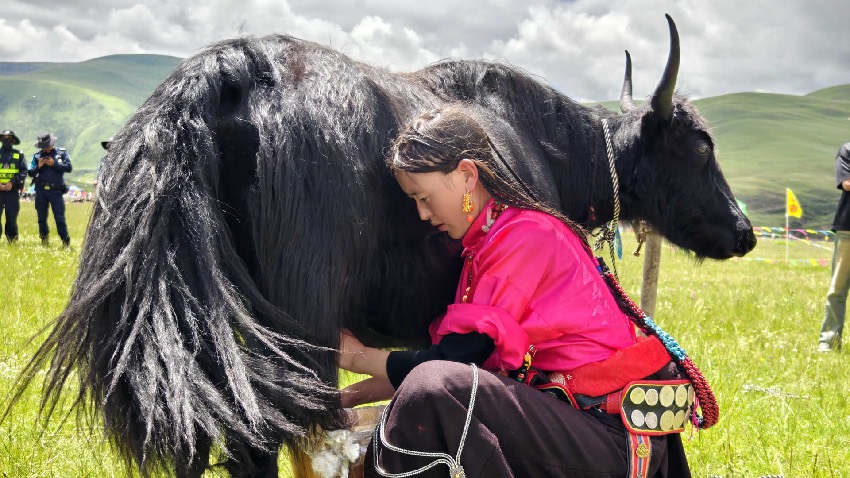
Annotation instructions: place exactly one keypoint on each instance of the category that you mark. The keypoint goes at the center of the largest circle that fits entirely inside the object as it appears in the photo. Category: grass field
(750, 324)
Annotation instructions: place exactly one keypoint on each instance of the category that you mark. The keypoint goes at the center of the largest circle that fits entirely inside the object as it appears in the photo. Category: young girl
(531, 298)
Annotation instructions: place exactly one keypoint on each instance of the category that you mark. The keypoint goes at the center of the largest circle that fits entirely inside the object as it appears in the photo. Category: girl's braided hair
(439, 139)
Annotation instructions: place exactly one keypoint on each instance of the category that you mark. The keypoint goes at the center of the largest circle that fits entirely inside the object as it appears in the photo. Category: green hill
(82, 103)
(766, 142)
(840, 93)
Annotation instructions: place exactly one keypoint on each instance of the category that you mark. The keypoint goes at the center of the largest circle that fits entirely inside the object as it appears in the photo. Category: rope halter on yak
(705, 397)
(608, 231)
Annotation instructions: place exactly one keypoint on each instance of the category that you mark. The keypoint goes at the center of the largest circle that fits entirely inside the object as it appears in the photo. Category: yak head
(670, 176)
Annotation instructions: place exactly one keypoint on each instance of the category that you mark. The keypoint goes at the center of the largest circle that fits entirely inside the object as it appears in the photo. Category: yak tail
(170, 337)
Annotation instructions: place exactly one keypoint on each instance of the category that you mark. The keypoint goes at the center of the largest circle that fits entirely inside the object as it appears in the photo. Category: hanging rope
(455, 469)
(608, 232)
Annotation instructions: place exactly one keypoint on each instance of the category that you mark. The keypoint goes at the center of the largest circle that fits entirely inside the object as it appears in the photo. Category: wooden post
(651, 265)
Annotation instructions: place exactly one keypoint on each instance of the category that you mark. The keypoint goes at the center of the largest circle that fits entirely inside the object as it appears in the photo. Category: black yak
(245, 214)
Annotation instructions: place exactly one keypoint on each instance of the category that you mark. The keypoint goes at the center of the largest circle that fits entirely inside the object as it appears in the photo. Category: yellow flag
(793, 208)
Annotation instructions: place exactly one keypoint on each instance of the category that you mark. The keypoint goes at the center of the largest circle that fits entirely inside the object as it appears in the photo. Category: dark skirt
(516, 431)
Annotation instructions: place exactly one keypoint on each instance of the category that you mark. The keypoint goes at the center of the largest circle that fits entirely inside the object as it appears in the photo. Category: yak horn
(662, 99)
(626, 103)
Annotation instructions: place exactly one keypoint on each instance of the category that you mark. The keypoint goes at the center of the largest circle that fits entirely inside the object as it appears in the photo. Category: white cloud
(13, 38)
(727, 45)
(380, 43)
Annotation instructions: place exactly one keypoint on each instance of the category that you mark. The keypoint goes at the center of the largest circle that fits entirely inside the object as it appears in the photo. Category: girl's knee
(437, 379)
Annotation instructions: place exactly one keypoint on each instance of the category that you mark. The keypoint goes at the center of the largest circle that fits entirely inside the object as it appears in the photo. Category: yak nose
(746, 242)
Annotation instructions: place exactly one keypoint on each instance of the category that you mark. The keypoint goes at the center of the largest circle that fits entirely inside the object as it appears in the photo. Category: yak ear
(662, 99)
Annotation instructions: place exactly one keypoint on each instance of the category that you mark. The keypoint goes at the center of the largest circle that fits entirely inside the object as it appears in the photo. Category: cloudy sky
(778, 46)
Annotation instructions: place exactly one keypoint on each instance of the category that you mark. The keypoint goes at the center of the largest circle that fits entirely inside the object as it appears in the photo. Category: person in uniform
(13, 175)
(47, 169)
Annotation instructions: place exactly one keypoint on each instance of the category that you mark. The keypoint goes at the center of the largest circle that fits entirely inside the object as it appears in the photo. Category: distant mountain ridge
(766, 142)
(83, 103)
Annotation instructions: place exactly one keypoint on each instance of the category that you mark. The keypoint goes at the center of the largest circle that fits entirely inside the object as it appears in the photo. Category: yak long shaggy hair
(245, 214)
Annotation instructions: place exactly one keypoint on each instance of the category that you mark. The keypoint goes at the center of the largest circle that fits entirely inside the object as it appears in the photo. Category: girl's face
(439, 198)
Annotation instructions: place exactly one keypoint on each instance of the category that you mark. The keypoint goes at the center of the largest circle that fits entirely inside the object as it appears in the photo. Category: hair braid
(705, 396)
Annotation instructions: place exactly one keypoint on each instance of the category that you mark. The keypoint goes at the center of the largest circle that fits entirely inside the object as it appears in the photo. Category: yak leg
(247, 462)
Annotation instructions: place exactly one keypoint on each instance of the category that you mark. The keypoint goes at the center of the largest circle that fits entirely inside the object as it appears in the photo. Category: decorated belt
(647, 407)
(635, 362)
(654, 407)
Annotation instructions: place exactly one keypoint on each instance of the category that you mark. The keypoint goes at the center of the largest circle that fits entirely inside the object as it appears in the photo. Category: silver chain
(455, 469)
(609, 230)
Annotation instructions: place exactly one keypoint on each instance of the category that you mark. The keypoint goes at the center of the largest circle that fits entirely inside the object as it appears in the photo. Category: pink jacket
(534, 283)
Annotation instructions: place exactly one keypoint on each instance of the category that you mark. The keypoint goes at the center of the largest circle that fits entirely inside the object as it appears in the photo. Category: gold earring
(468, 205)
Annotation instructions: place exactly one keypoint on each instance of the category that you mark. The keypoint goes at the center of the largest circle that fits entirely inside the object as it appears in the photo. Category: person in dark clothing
(836, 298)
(13, 174)
(48, 168)
(537, 313)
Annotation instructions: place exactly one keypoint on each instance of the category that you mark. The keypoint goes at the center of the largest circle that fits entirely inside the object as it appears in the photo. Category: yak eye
(702, 149)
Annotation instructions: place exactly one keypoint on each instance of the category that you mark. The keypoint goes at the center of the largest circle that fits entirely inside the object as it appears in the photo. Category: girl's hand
(356, 357)
(350, 351)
